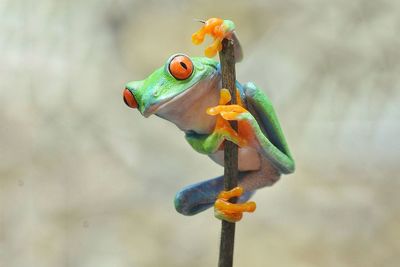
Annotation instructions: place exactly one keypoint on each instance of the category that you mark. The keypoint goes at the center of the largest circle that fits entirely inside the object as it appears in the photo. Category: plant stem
(227, 60)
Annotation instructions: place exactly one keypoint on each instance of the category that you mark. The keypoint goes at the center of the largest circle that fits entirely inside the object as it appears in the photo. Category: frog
(187, 92)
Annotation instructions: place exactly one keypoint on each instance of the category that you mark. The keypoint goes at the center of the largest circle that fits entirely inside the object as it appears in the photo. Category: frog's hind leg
(198, 197)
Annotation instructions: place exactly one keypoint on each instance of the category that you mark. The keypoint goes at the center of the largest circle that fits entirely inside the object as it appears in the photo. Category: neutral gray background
(87, 182)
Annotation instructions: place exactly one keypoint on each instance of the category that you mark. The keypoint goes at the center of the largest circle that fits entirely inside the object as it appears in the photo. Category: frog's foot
(228, 112)
(224, 210)
(218, 29)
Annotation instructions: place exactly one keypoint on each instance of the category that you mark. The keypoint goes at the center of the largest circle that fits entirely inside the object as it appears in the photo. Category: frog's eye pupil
(180, 67)
(184, 65)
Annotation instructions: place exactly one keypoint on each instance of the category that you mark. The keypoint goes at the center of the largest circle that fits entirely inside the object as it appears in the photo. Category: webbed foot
(218, 29)
(231, 212)
(228, 112)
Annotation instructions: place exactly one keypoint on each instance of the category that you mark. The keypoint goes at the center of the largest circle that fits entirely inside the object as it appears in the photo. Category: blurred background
(86, 181)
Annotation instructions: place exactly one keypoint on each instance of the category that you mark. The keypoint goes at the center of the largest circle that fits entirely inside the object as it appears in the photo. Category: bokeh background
(86, 181)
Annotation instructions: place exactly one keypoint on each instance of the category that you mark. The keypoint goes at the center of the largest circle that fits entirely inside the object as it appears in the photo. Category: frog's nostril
(129, 99)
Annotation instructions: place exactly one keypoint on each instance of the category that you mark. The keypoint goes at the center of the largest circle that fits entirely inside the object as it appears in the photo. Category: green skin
(184, 102)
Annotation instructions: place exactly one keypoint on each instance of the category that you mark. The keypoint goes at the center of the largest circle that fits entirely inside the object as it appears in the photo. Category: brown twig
(227, 59)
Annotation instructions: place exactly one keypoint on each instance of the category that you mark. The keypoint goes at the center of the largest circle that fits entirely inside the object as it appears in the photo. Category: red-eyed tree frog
(187, 92)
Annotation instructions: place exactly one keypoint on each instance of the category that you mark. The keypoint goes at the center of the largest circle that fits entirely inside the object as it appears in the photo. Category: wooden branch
(227, 60)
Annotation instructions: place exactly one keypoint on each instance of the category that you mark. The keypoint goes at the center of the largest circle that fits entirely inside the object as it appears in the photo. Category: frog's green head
(179, 74)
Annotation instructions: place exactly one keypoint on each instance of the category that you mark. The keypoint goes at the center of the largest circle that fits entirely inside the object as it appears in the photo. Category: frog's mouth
(193, 93)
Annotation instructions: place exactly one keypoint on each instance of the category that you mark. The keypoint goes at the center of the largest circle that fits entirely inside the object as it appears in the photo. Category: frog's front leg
(210, 143)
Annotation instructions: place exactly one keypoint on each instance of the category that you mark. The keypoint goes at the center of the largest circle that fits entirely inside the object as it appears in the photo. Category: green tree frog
(187, 92)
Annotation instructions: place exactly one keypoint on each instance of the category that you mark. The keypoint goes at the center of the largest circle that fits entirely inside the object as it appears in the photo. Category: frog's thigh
(266, 176)
(249, 159)
(267, 129)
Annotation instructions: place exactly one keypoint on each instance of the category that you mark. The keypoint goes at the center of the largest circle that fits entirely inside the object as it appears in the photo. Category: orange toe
(232, 212)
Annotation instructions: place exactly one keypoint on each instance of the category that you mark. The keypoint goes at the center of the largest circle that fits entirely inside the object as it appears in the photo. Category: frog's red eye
(129, 99)
(181, 67)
